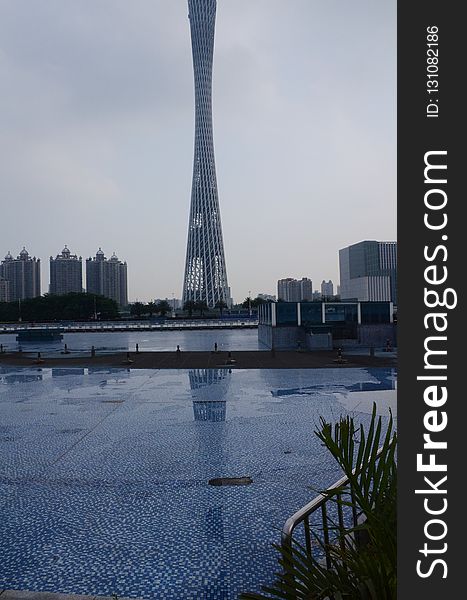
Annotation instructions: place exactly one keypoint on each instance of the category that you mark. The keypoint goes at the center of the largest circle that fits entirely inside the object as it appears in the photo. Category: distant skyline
(96, 114)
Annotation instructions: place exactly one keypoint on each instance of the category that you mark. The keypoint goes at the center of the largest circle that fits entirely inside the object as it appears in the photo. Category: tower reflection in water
(209, 390)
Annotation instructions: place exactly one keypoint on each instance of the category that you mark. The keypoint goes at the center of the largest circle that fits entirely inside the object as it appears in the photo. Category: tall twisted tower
(205, 271)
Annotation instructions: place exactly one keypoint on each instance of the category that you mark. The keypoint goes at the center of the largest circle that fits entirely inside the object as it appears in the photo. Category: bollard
(137, 349)
(128, 360)
(1, 348)
(93, 352)
(215, 347)
(340, 360)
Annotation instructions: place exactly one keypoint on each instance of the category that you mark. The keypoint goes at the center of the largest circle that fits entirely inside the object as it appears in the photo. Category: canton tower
(205, 271)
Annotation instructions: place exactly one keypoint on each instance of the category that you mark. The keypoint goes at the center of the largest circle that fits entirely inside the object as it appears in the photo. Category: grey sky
(97, 122)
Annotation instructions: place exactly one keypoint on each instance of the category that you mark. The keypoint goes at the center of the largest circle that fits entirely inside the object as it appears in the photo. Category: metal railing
(303, 517)
(122, 326)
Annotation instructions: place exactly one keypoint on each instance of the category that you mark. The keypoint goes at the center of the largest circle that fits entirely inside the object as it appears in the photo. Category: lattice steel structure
(205, 270)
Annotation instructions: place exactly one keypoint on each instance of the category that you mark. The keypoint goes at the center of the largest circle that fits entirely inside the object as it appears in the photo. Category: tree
(66, 307)
(221, 305)
(247, 303)
(137, 309)
(151, 307)
(201, 306)
(253, 302)
(163, 307)
(258, 301)
(189, 306)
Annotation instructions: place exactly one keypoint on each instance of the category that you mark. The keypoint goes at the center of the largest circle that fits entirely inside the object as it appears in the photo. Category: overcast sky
(97, 123)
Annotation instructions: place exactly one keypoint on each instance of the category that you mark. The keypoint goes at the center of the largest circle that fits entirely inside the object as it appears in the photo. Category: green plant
(366, 570)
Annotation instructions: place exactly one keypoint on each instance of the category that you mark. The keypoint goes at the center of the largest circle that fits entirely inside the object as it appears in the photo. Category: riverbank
(206, 360)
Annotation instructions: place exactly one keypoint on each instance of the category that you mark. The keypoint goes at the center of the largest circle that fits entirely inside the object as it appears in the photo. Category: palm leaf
(358, 571)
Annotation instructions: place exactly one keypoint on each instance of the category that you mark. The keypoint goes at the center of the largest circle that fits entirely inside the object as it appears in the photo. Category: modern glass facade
(341, 313)
(205, 270)
(319, 325)
(287, 313)
(375, 312)
(317, 314)
(368, 271)
(311, 313)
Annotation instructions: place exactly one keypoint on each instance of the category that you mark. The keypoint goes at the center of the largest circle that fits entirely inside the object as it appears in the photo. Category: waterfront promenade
(206, 360)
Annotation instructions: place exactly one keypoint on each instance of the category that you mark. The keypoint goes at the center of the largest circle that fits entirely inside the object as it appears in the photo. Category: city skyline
(20, 277)
(97, 115)
(72, 277)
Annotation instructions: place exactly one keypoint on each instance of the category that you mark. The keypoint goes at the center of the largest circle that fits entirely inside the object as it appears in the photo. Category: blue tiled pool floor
(104, 474)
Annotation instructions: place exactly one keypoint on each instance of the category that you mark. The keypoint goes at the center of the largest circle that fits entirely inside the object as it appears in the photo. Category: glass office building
(368, 271)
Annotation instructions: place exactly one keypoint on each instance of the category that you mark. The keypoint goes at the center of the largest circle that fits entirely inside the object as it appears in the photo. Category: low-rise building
(322, 325)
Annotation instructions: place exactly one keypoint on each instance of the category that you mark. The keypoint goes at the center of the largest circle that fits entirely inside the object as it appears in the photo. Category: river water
(226, 339)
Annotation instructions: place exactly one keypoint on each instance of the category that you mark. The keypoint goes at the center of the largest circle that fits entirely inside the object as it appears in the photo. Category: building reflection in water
(110, 375)
(209, 389)
(11, 376)
(372, 380)
(66, 372)
(115, 371)
(210, 410)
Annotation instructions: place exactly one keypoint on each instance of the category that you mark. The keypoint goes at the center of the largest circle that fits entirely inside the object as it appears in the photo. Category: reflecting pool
(104, 473)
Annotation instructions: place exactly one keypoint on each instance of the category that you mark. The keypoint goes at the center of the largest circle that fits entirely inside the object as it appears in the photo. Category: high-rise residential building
(327, 289)
(66, 273)
(283, 288)
(205, 270)
(4, 290)
(368, 271)
(23, 275)
(107, 277)
(295, 290)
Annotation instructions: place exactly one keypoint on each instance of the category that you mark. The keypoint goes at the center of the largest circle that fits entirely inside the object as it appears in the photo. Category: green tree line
(73, 307)
(140, 309)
